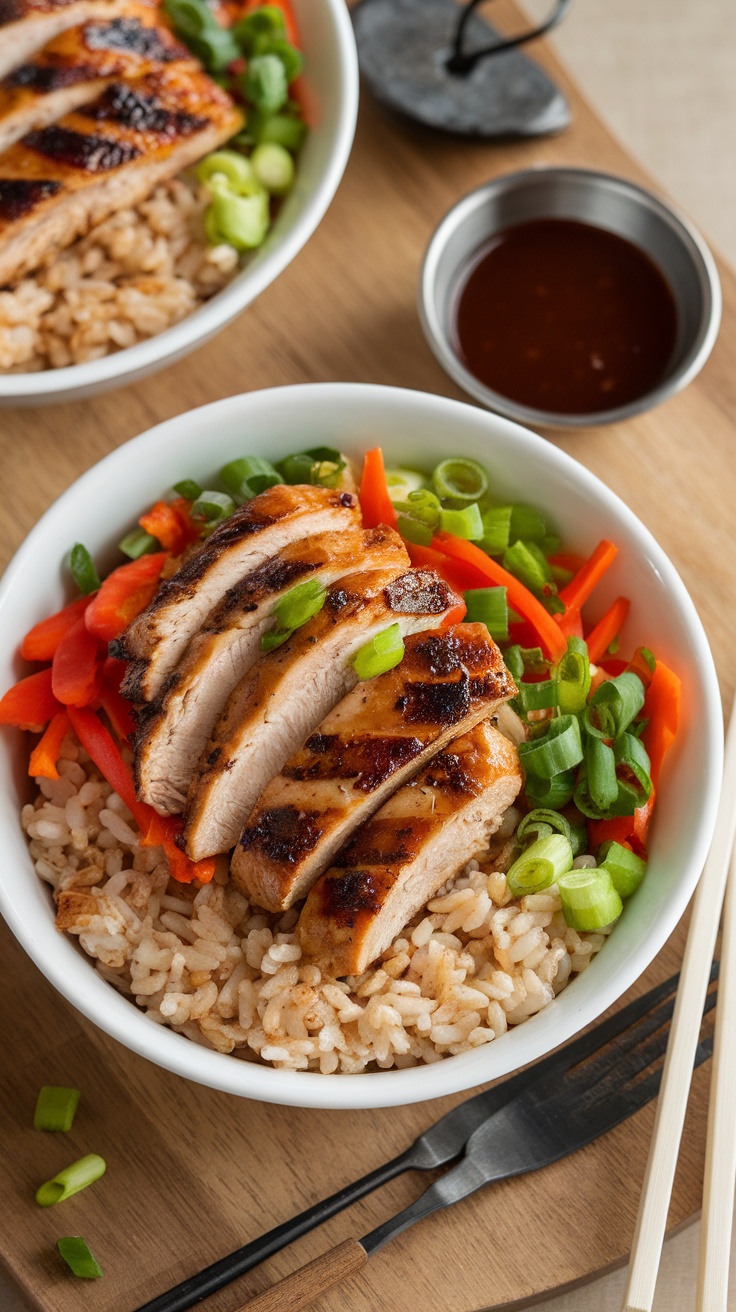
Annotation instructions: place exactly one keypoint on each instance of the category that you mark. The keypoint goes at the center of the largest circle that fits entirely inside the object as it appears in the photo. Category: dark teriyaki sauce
(565, 317)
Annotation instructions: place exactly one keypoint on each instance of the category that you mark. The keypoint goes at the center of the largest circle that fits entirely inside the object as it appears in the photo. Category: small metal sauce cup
(608, 202)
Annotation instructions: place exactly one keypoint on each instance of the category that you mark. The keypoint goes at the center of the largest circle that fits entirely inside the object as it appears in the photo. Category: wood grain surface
(192, 1173)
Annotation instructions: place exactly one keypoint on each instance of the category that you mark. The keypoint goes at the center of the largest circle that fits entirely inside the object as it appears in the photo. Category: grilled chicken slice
(372, 742)
(422, 836)
(175, 728)
(27, 25)
(79, 64)
(158, 638)
(57, 182)
(286, 694)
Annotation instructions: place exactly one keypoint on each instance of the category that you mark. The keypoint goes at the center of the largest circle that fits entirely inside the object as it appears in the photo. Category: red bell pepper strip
(77, 667)
(602, 635)
(45, 755)
(30, 703)
(520, 599)
(41, 641)
(375, 502)
(155, 830)
(576, 592)
(169, 522)
(123, 595)
(118, 711)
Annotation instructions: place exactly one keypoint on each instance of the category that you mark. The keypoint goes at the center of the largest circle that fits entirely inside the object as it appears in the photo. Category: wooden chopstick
(672, 1103)
(720, 1150)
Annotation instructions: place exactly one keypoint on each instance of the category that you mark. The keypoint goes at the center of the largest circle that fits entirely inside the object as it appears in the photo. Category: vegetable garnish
(401, 482)
(78, 1257)
(83, 569)
(460, 479)
(246, 477)
(573, 677)
(383, 652)
(43, 762)
(294, 609)
(77, 666)
(138, 543)
(489, 606)
(561, 749)
(625, 868)
(589, 899)
(41, 641)
(55, 1108)
(578, 590)
(540, 865)
(71, 1180)
(466, 523)
(168, 524)
(607, 629)
(123, 595)
(375, 503)
(30, 703)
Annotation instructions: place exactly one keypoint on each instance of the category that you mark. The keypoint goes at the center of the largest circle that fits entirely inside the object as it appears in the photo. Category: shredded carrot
(602, 635)
(45, 755)
(662, 710)
(576, 592)
(459, 576)
(375, 502)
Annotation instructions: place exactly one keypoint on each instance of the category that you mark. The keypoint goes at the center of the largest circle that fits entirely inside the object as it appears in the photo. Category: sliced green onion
(625, 868)
(412, 530)
(525, 561)
(291, 58)
(554, 604)
(71, 1180)
(266, 21)
(285, 129)
(542, 818)
(554, 792)
(83, 569)
(196, 25)
(538, 696)
(614, 705)
(321, 466)
(540, 865)
(589, 899)
(78, 1257)
(422, 505)
(519, 660)
(613, 646)
(382, 653)
(401, 482)
(274, 638)
(265, 83)
(300, 604)
(466, 523)
(514, 662)
(230, 168)
(489, 606)
(459, 479)
(213, 507)
(188, 489)
(246, 477)
(296, 469)
(633, 765)
(55, 1108)
(240, 221)
(649, 658)
(579, 839)
(138, 543)
(573, 677)
(527, 523)
(597, 787)
(273, 167)
(559, 750)
(496, 529)
(561, 575)
(550, 544)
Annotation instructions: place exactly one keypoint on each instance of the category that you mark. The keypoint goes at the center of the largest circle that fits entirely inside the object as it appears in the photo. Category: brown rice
(228, 975)
(132, 276)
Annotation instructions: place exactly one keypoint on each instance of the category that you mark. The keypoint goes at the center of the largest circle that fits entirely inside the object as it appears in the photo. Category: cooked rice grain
(132, 276)
(230, 976)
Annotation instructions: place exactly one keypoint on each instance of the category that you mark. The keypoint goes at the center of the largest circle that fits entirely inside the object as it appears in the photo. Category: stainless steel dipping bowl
(608, 202)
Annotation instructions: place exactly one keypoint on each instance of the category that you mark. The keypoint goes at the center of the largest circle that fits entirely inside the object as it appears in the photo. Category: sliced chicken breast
(27, 25)
(55, 183)
(175, 728)
(289, 690)
(77, 65)
(375, 739)
(421, 837)
(158, 638)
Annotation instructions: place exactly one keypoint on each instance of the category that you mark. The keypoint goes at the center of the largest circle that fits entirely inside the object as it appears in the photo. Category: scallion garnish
(537, 696)
(138, 543)
(274, 638)
(69, 1181)
(489, 606)
(554, 792)
(412, 530)
(614, 705)
(540, 823)
(527, 523)
(525, 561)
(597, 787)
(496, 529)
(78, 1257)
(195, 24)
(246, 477)
(55, 1108)
(540, 865)
(459, 479)
(633, 766)
(466, 523)
(560, 749)
(382, 653)
(402, 482)
(589, 899)
(213, 508)
(300, 604)
(83, 569)
(573, 677)
(188, 488)
(625, 868)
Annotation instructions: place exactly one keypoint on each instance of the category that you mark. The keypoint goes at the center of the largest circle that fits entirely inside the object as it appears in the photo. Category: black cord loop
(462, 61)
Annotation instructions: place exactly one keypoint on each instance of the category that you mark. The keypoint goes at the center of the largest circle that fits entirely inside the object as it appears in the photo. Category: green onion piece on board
(300, 604)
(559, 750)
(489, 606)
(496, 530)
(540, 865)
(466, 523)
(213, 507)
(539, 818)
(625, 868)
(459, 479)
(246, 477)
(78, 1257)
(573, 677)
(83, 569)
(188, 489)
(412, 530)
(614, 705)
(527, 523)
(55, 1108)
(138, 543)
(538, 696)
(400, 482)
(69, 1181)
(589, 899)
(273, 167)
(554, 792)
(265, 83)
(196, 25)
(382, 653)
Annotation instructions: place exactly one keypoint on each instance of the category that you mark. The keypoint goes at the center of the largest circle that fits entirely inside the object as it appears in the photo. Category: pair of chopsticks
(720, 1157)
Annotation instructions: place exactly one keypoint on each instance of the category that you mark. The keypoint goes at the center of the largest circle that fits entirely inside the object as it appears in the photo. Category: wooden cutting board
(192, 1174)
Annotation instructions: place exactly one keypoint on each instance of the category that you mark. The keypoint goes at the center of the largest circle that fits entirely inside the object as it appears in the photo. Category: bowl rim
(691, 241)
(119, 1017)
(213, 315)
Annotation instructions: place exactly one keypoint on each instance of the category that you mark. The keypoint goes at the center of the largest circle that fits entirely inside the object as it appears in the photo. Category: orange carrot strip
(459, 576)
(375, 502)
(577, 591)
(602, 635)
(45, 754)
(662, 709)
(41, 641)
(455, 615)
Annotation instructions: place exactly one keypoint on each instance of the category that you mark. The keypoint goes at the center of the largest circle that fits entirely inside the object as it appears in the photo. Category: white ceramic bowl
(415, 429)
(327, 40)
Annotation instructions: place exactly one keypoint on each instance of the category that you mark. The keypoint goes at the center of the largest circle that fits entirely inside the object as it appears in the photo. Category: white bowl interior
(331, 79)
(415, 429)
